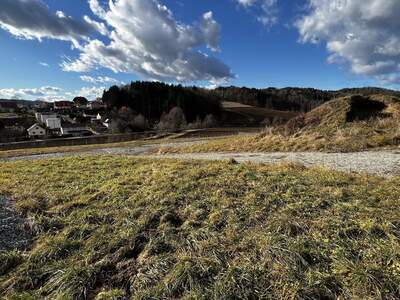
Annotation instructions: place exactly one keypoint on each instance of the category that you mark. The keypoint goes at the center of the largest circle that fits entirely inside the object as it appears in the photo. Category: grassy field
(77, 149)
(187, 136)
(109, 227)
(257, 111)
(341, 125)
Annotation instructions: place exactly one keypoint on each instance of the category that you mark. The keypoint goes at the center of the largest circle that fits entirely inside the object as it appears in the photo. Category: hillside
(238, 114)
(24, 102)
(345, 124)
(291, 98)
(114, 227)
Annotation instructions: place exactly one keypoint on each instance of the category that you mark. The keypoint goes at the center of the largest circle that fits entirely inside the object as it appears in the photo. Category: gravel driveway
(383, 163)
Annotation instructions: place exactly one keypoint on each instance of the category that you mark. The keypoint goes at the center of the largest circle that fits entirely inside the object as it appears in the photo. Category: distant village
(24, 120)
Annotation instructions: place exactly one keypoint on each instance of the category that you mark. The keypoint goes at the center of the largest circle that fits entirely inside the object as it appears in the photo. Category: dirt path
(383, 163)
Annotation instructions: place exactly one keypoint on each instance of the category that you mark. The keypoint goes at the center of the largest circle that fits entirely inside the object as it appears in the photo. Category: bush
(174, 120)
(140, 122)
(209, 121)
(294, 125)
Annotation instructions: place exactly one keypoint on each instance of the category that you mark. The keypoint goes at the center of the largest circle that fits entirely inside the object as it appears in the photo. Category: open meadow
(107, 227)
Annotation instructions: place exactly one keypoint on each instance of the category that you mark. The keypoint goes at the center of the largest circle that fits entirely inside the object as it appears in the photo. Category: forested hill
(292, 99)
(152, 99)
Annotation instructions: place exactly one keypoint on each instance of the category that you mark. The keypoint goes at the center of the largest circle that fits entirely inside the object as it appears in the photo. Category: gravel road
(383, 163)
(13, 233)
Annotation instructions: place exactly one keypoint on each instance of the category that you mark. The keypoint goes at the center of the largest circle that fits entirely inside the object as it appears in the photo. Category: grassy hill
(346, 124)
(291, 98)
(241, 114)
(125, 228)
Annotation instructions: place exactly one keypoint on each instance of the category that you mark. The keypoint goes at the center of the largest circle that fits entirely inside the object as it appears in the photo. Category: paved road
(383, 163)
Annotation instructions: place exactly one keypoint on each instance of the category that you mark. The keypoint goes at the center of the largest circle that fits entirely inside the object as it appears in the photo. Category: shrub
(209, 121)
(294, 125)
(174, 120)
(140, 122)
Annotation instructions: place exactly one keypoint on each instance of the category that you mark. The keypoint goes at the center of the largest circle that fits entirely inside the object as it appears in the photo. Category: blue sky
(255, 43)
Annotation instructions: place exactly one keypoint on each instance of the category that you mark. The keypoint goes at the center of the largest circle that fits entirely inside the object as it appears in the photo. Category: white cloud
(391, 79)
(33, 93)
(90, 92)
(99, 26)
(50, 93)
(363, 34)
(99, 79)
(266, 10)
(44, 64)
(97, 9)
(31, 19)
(146, 39)
(139, 36)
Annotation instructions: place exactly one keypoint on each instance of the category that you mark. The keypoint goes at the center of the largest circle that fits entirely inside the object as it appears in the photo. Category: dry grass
(125, 228)
(327, 128)
(75, 149)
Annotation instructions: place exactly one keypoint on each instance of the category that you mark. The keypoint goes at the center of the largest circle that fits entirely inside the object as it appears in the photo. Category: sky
(59, 49)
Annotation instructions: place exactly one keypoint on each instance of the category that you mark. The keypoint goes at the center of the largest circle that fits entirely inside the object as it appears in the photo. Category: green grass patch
(120, 227)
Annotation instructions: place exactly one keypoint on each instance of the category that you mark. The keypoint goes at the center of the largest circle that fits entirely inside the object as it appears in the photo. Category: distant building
(107, 123)
(97, 104)
(63, 105)
(43, 117)
(91, 115)
(36, 131)
(68, 129)
(53, 123)
(41, 104)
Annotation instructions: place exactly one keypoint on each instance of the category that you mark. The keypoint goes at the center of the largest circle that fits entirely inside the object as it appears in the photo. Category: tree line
(143, 105)
(153, 99)
(290, 99)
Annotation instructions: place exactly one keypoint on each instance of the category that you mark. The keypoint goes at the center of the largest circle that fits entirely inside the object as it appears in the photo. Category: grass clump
(9, 260)
(349, 124)
(125, 228)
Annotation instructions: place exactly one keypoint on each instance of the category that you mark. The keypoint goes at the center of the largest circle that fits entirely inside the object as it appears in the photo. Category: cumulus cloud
(363, 34)
(145, 38)
(90, 92)
(99, 79)
(31, 19)
(266, 10)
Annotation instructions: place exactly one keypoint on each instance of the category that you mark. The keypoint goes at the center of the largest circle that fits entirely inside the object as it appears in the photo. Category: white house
(91, 116)
(42, 117)
(36, 131)
(53, 123)
(107, 123)
(97, 104)
(74, 129)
